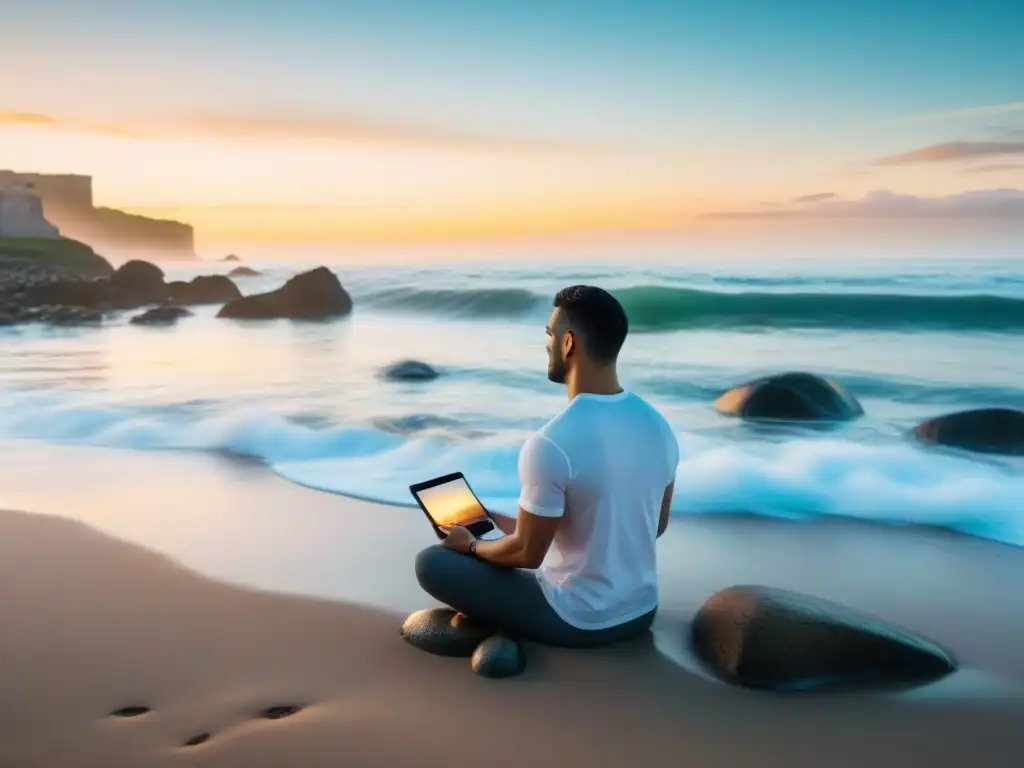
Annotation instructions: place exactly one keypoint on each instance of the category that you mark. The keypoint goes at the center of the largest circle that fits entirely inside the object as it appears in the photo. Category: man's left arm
(544, 473)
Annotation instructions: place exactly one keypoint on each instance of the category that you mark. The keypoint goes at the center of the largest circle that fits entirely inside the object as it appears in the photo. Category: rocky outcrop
(313, 295)
(230, 257)
(983, 430)
(409, 370)
(761, 637)
(67, 203)
(168, 315)
(444, 632)
(26, 291)
(33, 259)
(790, 397)
(244, 272)
(35, 290)
(206, 289)
(49, 314)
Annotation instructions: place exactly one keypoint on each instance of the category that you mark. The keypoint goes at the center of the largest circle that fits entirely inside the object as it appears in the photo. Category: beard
(556, 368)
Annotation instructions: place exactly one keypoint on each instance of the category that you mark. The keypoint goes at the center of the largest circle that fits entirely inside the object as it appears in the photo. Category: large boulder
(138, 282)
(766, 638)
(205, 289)
(444, 632)
(409, 370)
(982, 430)
(312, 295)
(790, 397)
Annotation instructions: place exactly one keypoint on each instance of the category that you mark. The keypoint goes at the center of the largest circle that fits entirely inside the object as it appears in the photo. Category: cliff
(21, 214)
(67, 202)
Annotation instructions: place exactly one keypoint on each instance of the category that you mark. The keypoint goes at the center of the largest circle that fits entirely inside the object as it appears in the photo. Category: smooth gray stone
(793, 396)
(444, 632)
(410, 370)
(499, 656)
(774, 639)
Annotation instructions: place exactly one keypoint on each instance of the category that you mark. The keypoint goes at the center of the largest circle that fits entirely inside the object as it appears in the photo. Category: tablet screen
(452, 503)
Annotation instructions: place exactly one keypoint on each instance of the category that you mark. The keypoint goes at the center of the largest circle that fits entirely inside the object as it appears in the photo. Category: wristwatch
(472, 546)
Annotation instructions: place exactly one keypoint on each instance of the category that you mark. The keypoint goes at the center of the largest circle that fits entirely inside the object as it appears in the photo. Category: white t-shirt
(603, 464)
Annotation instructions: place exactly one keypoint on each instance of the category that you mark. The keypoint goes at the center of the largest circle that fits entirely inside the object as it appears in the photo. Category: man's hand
(458, 538)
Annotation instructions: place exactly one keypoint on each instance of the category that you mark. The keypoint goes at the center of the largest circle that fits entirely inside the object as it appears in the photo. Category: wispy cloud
(956, 113)
(18, 118)
(995, 168)
(952, 151)
(350, 128)
(883, 204)
(817, 197)
(294, 127)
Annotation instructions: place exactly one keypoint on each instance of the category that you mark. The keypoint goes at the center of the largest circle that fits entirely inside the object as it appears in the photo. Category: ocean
(909, 338)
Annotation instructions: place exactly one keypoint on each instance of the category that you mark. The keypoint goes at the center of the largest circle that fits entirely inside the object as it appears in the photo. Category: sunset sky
(384, 120)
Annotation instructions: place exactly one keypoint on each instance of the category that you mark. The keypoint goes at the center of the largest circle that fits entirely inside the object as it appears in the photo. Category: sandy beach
(209, 590)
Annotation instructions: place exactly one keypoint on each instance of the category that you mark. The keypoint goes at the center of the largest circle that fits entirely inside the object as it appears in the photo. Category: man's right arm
(666, 503)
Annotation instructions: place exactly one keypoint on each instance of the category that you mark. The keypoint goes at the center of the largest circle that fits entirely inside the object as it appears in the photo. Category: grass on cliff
(55, 252)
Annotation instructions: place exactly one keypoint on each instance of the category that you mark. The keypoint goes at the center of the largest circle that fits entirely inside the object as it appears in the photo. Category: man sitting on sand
(596, 484)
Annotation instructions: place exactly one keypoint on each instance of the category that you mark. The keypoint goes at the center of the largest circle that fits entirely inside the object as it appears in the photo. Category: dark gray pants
(509, 600)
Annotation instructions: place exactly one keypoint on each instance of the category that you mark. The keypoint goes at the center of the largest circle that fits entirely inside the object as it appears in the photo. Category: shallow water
(909, 339)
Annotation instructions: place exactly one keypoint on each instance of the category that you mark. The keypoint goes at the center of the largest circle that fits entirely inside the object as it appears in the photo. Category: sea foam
(803, 477)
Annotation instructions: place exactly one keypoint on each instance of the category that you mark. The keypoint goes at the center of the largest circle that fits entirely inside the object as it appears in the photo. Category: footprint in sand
(280, 710)
(275, 712)
(196, 740)
(132, 711)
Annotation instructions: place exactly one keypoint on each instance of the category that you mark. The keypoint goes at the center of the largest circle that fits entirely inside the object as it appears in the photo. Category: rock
(206, 289)
(409, 370)
(62, 255)
(444, 632)
(57, 315)
(790, 396)
(312, 295)
(79, 293)
(761, 637)
(138, 282)
(167, 315)
(244, 272)
(983, 430)
(499, 656)
(231, 257)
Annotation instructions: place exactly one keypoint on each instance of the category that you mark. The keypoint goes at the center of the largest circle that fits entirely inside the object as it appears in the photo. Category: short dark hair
(597, 317)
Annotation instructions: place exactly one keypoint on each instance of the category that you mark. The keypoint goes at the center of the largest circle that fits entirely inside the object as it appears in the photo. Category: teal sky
(634, 71)
(740, 92)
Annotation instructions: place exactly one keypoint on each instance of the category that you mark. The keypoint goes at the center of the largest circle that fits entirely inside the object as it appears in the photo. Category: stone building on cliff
(67, 203)
(21, 212)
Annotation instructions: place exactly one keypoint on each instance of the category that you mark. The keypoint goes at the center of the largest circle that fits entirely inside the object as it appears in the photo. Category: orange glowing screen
(452, 503)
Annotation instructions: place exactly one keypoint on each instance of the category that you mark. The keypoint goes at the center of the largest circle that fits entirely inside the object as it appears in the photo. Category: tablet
(448, 501)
